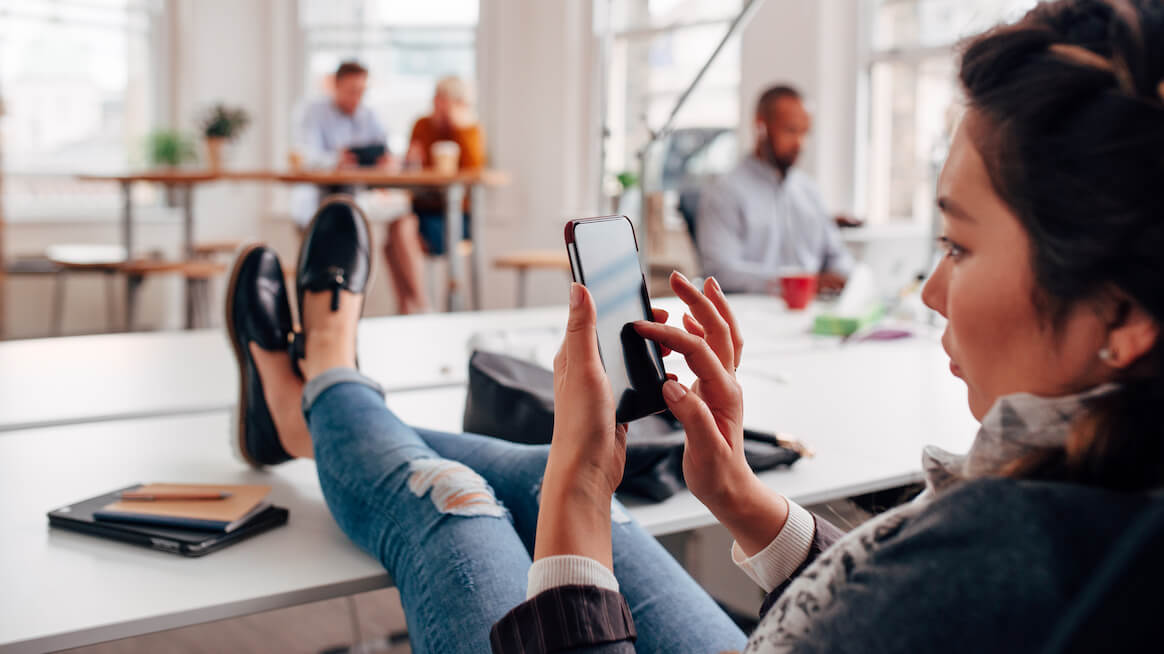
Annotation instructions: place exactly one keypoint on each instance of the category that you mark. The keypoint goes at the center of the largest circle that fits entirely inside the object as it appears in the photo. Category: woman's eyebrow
(951, 209)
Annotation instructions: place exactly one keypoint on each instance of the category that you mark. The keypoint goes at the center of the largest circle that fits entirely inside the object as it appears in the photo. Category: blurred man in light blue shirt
(328, 130)
(765, 217)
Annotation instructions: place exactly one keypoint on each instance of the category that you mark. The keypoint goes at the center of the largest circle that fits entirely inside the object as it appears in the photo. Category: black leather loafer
(336, 255)
(257, 311)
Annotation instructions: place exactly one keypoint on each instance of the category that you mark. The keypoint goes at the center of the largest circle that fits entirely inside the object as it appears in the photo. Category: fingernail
(715, 284)
(673, 391)
(575, 295)
(682, 276)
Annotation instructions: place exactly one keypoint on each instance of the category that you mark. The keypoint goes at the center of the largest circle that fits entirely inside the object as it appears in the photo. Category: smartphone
(604, 257)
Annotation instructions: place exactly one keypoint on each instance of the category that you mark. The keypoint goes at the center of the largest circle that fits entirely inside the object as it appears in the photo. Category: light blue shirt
(753, 224)
(322, 132)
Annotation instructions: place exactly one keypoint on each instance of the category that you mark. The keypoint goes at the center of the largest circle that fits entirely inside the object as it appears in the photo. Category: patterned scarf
(1015, 426)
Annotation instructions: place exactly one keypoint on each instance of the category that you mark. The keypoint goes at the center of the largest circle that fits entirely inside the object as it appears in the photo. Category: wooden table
(180, 179)
(525, 260)
(184, 181)
(454, 189)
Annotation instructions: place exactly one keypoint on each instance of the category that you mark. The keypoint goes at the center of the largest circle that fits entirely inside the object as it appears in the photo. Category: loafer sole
(241, 357)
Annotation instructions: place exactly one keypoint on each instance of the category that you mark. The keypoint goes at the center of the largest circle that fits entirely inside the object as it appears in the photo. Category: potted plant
(169, 148)
(220, 125)
(627, 180)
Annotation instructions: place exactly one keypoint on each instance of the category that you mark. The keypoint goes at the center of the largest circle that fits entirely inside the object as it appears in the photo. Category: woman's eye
(951, 249)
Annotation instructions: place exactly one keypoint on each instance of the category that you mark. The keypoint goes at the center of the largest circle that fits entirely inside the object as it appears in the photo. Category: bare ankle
(283, 391)
(328, 348)
(330, 334)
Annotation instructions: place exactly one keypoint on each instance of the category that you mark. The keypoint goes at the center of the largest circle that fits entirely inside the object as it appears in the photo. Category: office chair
(689, 209)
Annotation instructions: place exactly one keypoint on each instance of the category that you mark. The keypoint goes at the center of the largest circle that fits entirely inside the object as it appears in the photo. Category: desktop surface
(865, 409)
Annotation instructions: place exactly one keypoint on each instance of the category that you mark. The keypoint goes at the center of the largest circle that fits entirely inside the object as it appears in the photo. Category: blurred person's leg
(431, 226)
(405, 254)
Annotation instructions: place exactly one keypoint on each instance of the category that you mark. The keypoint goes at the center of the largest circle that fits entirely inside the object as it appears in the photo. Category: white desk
(865, 409)
(81, 379)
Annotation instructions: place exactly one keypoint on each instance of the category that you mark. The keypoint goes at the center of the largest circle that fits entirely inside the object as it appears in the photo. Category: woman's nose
(934, 291)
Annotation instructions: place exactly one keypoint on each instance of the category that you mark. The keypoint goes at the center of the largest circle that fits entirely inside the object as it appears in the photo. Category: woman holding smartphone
(1052, 284)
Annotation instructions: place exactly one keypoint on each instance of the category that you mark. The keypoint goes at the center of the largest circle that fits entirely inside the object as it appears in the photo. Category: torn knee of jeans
(453, 487)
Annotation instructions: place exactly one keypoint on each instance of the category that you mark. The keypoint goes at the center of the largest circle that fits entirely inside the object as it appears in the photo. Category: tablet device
(187, 542)
(368, 155)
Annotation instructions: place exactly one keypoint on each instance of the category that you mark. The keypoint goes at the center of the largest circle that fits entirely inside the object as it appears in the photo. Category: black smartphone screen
(604, 257)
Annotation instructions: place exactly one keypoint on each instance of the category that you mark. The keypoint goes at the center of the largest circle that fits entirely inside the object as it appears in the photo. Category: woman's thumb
(580, 336)
(687, 407)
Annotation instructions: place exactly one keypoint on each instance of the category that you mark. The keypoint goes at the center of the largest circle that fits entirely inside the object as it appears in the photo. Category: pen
(177, 495)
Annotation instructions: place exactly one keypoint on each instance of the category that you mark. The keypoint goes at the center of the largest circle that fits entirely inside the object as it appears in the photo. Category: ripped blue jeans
(452, 518)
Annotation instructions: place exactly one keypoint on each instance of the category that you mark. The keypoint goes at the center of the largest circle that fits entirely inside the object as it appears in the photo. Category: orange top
(471, 139)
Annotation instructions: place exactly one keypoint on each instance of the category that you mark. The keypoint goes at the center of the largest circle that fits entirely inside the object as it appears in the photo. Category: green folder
(835, 325)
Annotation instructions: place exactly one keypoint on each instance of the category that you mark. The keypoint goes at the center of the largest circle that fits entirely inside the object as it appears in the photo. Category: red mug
(798, 290)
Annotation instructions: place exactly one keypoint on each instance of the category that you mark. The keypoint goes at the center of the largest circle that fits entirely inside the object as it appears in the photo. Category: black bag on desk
(513, 400)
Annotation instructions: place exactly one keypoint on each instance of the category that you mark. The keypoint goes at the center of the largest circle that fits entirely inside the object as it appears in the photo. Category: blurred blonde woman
(423, 231)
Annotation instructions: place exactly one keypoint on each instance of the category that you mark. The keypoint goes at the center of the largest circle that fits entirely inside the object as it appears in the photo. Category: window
(657, 48)
(913, 97)
(77, 87)
(406, 45)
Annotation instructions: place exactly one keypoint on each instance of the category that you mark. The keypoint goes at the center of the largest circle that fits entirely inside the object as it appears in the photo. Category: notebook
(187, 542)
(244, 503)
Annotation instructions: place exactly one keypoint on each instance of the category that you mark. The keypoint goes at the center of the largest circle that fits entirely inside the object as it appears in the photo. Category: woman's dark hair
(1068, 114)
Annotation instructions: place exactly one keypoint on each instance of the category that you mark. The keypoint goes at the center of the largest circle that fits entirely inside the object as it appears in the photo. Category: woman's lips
(955, 370)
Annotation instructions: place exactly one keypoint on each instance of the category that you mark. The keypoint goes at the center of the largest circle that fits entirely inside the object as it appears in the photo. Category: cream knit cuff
(568, 570)
(774, 564)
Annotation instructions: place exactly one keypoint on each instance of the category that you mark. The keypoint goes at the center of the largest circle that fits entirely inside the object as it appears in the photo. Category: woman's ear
(1132, 335)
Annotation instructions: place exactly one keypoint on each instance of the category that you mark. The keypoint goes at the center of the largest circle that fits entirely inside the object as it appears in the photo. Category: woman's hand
(712, 413)
(588, 451)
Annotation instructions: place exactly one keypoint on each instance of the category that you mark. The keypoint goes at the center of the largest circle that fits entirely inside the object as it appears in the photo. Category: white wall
(813, 46)
(221, 52)
(535, 60)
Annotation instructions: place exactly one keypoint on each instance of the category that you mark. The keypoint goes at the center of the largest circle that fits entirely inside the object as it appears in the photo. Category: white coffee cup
(446, 157)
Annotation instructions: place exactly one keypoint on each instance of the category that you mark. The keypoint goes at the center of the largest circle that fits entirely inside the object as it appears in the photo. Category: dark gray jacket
(978, 563)
(987, 566)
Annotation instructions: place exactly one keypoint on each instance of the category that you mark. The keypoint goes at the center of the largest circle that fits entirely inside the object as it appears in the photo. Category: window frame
(158, 16)
(870, 57)
(624, 37)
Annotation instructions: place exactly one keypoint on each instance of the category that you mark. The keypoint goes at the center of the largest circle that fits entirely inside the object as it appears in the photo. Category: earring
(1106, 354)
